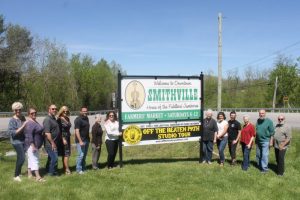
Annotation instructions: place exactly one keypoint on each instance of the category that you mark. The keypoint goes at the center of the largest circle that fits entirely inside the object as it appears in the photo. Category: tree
(288, 80)
(15, 44)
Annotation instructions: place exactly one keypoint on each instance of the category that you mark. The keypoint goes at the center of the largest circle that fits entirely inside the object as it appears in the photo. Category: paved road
(292, 118)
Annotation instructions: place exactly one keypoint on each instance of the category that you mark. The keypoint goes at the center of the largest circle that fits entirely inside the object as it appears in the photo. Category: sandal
(41, 180)
(68, 172)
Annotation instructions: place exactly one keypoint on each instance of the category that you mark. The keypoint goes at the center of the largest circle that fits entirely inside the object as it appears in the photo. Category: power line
(265, 57)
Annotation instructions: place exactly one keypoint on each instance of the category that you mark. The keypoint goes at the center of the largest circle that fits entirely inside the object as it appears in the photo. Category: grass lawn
(169, 171)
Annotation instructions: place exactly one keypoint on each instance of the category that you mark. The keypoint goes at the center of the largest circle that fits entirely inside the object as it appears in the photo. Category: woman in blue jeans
(222, 136)
(15, 130)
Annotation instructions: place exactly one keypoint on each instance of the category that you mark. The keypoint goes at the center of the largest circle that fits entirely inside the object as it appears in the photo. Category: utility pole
(220, 63)
(275, 90)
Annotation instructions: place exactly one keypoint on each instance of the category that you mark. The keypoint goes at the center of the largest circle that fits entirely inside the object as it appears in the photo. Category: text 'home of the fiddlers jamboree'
(160, 109)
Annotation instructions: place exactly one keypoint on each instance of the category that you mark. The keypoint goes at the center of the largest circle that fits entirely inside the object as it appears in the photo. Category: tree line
(255, 88)
(39, 72)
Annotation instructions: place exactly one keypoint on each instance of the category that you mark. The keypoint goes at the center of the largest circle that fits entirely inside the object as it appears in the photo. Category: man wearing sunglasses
(264, 133)
(52, 134)
(282, 140)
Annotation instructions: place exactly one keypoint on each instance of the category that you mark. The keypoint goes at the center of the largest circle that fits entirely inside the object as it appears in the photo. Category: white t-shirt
(221, 127)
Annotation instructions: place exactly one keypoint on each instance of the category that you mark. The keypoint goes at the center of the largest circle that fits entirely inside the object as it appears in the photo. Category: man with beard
(82, 138)
(264, 132)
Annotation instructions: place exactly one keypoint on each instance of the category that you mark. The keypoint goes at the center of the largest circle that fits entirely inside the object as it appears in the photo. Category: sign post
(160, 109)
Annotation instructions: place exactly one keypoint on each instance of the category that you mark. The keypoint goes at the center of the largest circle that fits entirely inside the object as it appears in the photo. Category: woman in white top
(112, 137)
(222, 136)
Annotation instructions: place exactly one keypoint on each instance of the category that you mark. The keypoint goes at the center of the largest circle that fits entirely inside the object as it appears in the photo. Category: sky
(166, 37)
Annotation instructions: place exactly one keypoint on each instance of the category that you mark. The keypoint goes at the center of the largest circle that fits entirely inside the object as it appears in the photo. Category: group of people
(230, 132)
(28, 136)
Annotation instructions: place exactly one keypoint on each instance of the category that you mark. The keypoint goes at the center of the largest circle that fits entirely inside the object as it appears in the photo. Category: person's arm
(49, 138)
(47, 130)
(250, 143)
(220, 135)
(77, 133)
(239, 134)
(63, 125)
(252, 133)
(13, 128)
(111, 129)
(94, 134)
(238, 137)
(215, 137)
(29, 130)
(216, 130)
(287, 139)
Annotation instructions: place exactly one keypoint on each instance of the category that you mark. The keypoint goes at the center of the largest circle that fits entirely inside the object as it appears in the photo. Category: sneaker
(209, 162)
(17, 178)
(221, 164)
(68, 172)
(53, 174)
(203, 162)
(264, 171)
(81, 172)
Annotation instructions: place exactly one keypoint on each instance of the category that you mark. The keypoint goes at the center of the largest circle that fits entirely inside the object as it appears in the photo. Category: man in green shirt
(264, 133)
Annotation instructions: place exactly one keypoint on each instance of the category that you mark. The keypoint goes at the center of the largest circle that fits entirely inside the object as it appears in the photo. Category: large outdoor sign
(160, 109)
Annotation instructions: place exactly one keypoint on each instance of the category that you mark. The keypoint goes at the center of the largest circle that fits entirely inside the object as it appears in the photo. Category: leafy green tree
(15, 43)
(288, 80)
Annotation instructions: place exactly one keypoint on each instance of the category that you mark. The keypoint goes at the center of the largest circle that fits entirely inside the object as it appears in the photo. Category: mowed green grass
(168, 171)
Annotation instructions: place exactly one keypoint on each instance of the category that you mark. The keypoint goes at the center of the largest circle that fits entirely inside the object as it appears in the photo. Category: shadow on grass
(158, 160)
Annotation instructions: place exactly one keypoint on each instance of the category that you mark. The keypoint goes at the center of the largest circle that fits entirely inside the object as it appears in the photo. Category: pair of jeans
(112, 148)
(280, 154)
(95, 155)
(82, 152)
(262, 155)
(20, 158)
(232, 149)
(52, 161)
(207, 149)
(246, 156)
(221, 147)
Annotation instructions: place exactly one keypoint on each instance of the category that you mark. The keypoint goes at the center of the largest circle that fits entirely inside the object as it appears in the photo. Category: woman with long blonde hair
(65, 125)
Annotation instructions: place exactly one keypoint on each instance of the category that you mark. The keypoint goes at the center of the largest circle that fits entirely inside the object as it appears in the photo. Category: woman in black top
(65, 125)
(97, 133)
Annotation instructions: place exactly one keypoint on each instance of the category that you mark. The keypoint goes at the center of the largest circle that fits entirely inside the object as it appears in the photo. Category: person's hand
(215, 141)
(65, 142)
(81, 143)
(281, 146)
(53, 145)
(234, 141)
(270, 144)
(120, 134)
(248, 146)
(33, 148)
(98, 147)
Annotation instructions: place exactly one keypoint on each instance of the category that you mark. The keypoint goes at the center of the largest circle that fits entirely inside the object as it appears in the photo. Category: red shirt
(248, 131)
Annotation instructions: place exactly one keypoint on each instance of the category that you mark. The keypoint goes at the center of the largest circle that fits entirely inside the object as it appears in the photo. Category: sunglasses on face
(111, 115)
(280, 119)
(53, 108)
(33, 113)
(17, 110)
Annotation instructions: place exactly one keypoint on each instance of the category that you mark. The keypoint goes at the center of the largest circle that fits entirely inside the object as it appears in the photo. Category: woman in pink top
(247, 137)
